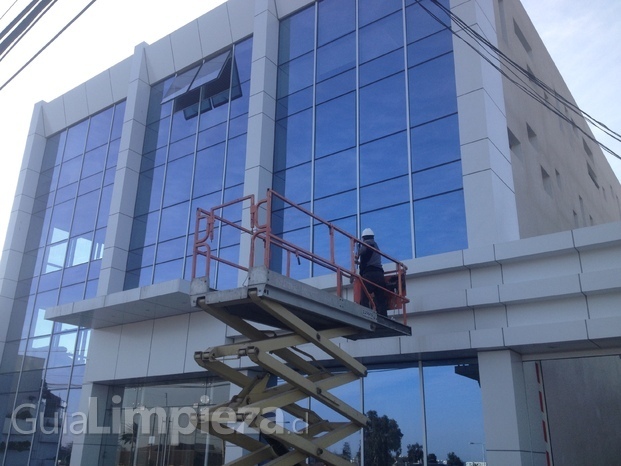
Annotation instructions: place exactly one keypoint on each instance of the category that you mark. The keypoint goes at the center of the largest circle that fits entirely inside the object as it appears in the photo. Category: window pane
(295, 75)
(421, 24)
(335, 19)
(382, 108)
(209, 170)
(297, 35)
(443, 407)
(293, 140)
(336, 125)
(440, 224)
(174, 222)
(85, 213)
(437, 180)
(432, 90)
(294, 183)
(178, 181)
(99, 129)
(435, 143)
(293, 103)
(383, 159)
(370, 10)
(430, 47)
(386, 193)
(336, 86)
(381, 67)
(336, 57)
(381, 37)
(335, 173)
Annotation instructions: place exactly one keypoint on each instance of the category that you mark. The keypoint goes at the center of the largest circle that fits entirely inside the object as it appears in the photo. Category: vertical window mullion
(407, 128)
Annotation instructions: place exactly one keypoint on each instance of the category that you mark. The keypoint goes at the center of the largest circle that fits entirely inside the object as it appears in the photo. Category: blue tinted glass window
(293, 140)
(94, 161)
(76, 140)
(420, 23)
(293, 103)
(178, 181)
(386, 193)
(236, 161)
(381, 67)
(335, 173)
(209, 170)
(335, 19)
(382, 108)
(334, 87)
(295, 75)
(440, 224)
(432, 90)
(364, 165)
(85, 213)
(435, 143)
(336, 57)
(371, 10)
(383, 159)
(170, 250)
(437, 180)
(297, 35)
(99, 129)
(381, 37)
(430, 47)
(294, 183)
(174, 222)
(336, 125)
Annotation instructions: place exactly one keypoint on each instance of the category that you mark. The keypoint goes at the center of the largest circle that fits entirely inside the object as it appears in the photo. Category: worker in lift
(371, 270)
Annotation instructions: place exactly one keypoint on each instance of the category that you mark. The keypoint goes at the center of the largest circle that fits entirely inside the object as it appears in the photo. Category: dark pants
(376, 288)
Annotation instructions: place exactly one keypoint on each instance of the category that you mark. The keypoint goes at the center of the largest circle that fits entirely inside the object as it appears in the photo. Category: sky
(580, 36)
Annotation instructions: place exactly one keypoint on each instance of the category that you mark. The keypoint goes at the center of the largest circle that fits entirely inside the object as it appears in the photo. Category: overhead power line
(519, 73)
(48, 44)
(19, 30)
(8, 9)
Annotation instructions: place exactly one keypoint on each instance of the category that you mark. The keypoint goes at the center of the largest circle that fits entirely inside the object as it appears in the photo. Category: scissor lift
(286, 328)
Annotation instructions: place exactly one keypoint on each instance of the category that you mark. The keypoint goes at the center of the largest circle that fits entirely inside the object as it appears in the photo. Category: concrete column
(262, 113)
(120, 220)
(491, 212)
(90, 437)
(505, 410)
(13, 258)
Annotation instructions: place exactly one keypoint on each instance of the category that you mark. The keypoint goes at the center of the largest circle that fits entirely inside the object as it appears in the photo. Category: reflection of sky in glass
(453, 403)
(454, 414)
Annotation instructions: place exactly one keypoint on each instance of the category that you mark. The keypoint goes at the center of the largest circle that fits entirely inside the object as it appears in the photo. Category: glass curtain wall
(43, 362)
(433, 410)
(194, 155)
(367, 131)
(150, 426)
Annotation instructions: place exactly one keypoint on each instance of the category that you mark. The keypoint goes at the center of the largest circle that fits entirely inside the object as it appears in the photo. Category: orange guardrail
(262, 233)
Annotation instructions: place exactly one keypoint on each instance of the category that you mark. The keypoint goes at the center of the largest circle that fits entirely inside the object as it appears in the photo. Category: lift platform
(286, 328)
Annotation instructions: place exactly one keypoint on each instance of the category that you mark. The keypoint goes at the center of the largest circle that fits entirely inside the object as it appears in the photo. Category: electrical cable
(528, 74)
(517, 70)
(22, 29)
(8, 9)
(47, 44)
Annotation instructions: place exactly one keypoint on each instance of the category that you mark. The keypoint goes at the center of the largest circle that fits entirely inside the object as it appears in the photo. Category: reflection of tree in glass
(415, 453)
(382, 440)
(454, 460)
(346, 453)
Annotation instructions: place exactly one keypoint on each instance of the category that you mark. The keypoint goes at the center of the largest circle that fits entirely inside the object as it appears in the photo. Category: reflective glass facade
(367, 131)
(194, 156)
(43, 362)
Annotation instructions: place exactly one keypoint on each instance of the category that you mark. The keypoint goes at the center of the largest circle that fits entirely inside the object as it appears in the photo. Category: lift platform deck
(318, 308)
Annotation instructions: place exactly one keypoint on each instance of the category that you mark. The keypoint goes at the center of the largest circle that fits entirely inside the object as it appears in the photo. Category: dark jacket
(370, 260)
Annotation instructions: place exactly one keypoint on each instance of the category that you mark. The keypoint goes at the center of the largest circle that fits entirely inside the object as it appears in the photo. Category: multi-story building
(424, 120)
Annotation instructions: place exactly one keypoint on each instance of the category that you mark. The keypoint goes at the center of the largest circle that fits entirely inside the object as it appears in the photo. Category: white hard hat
(367, 232)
